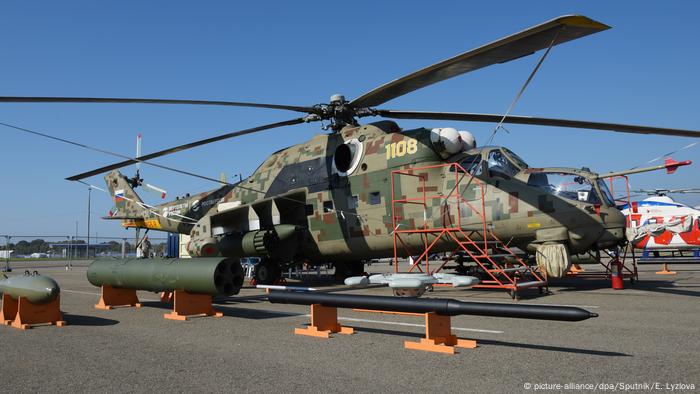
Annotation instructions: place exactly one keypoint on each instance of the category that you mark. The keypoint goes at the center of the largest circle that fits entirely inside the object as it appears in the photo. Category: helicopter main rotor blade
(108, 100)
(184, 147)
(513, 119)
(527, 42)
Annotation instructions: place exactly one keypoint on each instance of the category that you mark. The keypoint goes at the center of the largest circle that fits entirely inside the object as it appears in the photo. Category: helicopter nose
(612, 236)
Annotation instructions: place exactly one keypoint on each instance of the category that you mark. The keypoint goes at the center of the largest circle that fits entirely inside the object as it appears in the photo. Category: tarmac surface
(647, 338)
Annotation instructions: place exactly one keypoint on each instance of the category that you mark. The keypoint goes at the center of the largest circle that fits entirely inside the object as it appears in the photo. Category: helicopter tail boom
(669, 165)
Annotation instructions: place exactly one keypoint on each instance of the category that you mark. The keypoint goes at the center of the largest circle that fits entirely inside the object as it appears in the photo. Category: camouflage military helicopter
(330, 199)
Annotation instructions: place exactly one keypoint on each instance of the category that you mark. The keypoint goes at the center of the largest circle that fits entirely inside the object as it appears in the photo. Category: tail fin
(128, 205)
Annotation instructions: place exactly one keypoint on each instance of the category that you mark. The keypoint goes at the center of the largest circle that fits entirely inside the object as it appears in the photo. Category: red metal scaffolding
(502, 268)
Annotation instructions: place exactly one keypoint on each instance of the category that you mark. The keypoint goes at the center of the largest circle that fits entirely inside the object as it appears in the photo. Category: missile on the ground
(37, 289)
(406, 284)
(412, 281)
(440, 306)
(456, 280)
(357, 281)
(202, 275)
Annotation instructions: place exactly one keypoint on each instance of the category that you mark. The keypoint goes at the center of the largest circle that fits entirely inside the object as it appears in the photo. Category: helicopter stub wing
(527, 42)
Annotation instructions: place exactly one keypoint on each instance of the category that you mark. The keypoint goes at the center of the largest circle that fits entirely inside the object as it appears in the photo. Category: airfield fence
(29, 248)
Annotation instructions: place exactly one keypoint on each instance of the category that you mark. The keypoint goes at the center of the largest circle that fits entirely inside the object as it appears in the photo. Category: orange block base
(112, 298)
(575, 269)
(438, 336)
(187, 305)
(665, 271)
(27, 315)
(9, 310)
(324, 322)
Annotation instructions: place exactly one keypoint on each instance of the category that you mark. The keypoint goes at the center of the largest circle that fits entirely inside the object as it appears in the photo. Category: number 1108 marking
(401, 148)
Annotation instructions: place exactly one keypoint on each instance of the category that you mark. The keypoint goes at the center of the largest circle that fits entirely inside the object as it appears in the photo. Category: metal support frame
(7, 256)
(87, 245)
(624, 264)
(476, 240)
(614, 262)
(69, 261)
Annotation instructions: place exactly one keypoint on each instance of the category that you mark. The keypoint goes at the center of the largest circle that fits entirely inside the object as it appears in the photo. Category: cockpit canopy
(572, 187)
(502, 162)
(499, 160)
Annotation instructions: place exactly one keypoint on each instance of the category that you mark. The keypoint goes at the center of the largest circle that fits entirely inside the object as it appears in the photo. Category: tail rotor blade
(155, 189)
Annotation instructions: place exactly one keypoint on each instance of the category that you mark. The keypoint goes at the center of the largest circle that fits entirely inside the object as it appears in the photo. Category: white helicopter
(660, 223)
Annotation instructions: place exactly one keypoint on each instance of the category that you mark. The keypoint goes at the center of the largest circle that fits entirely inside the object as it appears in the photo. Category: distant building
(4, 254)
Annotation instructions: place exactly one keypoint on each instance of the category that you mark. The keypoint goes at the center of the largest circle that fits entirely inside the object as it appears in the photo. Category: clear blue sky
(642, 71)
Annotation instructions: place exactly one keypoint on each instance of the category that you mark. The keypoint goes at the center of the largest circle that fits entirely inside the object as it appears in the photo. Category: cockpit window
(607, 195)
(515, 158)
(472, 164)
(569, 186)
(498, 162)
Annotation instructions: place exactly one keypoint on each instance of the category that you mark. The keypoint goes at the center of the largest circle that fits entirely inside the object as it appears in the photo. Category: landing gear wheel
(267, 272)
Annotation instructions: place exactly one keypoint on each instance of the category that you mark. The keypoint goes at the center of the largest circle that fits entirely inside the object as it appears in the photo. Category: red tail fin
(672, 165)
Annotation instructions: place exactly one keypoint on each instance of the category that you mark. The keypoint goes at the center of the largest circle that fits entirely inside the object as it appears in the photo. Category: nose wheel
(267, 272)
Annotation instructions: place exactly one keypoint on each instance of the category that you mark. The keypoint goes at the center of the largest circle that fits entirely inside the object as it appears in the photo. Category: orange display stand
(187, 305)
(438, 329)
(23, 314)
(575, 269)
(665, 271)
(324, 322)
(112, 298)
(439, 337)
(438, 333)
(9, 310)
